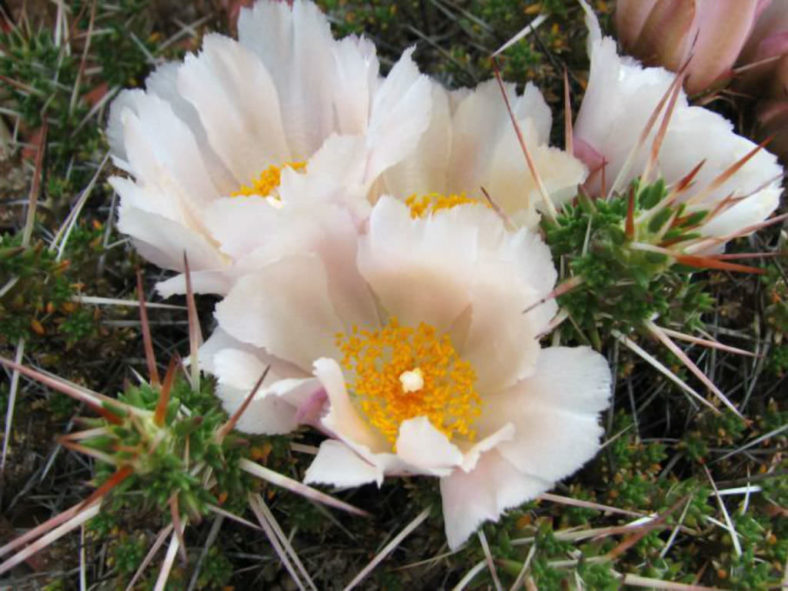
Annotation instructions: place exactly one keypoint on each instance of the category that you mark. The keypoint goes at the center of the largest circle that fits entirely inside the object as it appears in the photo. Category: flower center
(401, 372)
(429, 203)
(266, 184)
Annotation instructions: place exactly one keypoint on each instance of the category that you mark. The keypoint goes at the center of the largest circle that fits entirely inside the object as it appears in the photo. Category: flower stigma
(430, 203)
(267, 183)
(401, 372)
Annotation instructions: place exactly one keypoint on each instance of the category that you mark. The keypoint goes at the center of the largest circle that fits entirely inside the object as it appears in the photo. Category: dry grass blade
(469, 576)
(266, 512)
(157, 543)
(728, 523)
(147, 338)
(298, 488)
(638, 581)
(52, 536)
(518, 582)
(587, 505)
(388, 549)
(549, 208)
(9, 412)
(489, 559)
(166, 566)
(274, 540)
(644, 529)
(529, 28)
(690, 365)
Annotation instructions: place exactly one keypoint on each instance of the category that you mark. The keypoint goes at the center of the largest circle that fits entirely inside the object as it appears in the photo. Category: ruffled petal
(422, 445)
(273, 409)
(555, 413)
(293, 40)
(238, 106)
(339, 465)
(470, 498)
(285, 308)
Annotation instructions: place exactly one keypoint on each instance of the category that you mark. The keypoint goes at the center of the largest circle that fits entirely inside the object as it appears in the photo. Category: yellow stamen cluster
(377, 360)
(429, 203)
(268, 181)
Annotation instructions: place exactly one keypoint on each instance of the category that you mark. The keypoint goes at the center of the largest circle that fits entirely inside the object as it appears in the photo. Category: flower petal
(339, 465)
(284, 308)
(238, 106)
(554, 413)
(421, 444)
(470, 498)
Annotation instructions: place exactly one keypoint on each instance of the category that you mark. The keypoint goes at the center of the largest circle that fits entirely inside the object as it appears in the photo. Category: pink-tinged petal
(217, 282)
(267, 310)
(667, 33)
(426, 169)
(164, 242)
(593, 159)
(474, 452)
(630, 17)
(273, 409)
(293, 40)
(422, 445)
(238, 106)
(555, 413)
(342, 418)
(418, 269)
(338, 465)
(400, 115)
(471, 498)
(723, 28)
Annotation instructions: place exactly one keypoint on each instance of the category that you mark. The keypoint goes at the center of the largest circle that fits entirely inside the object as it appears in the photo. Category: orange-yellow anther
(268, 181)
(400, 372)
(429, 203)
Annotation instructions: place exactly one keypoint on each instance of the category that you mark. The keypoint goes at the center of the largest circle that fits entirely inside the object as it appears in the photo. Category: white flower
(471, 145)
(621, 96)
(220, 130)
(426, 358)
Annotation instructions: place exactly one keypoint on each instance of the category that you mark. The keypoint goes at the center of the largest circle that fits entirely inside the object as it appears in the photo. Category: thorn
(690, 365)
(656, 145)
(706, 342)
(35, 187)
(498, 209)
(703, 262)
(630, 224)
(195, 335)
(725, 175)
(117, 477)
(233, 420)
(160, 413)
(548, 203)
(569, 142)
(150, 356)
(565, 287)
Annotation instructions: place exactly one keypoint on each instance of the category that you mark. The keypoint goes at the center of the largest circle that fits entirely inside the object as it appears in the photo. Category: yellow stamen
(429, 203)
(400, 372)
(268, 181)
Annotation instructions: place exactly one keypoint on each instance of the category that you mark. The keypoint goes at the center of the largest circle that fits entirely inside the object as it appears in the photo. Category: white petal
(748, 212)
(426, 169)
(213, 282)
(419, 269)
(284, 308)
(421, 444)
(294, 42)
(238, 106)
(554, 413)
(356, 80)
(400, 115)
(337, 464)
(484, 494)
(342, 417)
(164, 242)
(274, 408)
